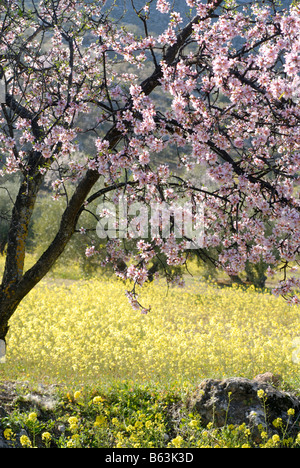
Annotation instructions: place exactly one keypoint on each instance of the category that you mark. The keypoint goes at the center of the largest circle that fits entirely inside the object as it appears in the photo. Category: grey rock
(235, 401)
(39, 401)
(3, 443)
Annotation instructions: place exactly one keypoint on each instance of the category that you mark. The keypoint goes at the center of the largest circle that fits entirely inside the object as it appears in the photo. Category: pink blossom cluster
(173, 250)
(138, 275)
(247, 127)
(91, 251)
(163, 6)
(146, 252)
(133, 300)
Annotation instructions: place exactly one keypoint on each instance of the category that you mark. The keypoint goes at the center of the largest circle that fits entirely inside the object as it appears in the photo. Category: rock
(235, 401)
(7, 394)
(20, 394)
(3, 443)
(41, 402)
(3, 413)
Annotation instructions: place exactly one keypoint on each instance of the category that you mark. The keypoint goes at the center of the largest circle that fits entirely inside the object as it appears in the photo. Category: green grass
(127, 415)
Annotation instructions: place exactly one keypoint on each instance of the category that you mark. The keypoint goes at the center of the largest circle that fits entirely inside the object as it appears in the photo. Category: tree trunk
(16, 285)
(7, 308)
(10, 296)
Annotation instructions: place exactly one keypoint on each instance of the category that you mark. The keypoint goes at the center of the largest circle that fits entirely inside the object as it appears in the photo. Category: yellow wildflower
(8, 434)
(77, 395)
(71, 443)
(32, 417)
(25, 441)
(177, 442)
(97, 400)
(100, 421)
(74, 441)
(46, 436)
(138, 425)
(73, 421)
(277, 422)
(193, 424)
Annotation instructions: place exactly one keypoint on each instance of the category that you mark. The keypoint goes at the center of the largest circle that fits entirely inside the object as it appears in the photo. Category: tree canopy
(92, 104)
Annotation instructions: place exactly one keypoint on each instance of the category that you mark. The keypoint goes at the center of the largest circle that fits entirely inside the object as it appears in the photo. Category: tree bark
(16, 243)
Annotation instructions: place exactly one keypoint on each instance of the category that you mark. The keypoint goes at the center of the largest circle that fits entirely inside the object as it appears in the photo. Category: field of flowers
(121, 372)
(84, 331)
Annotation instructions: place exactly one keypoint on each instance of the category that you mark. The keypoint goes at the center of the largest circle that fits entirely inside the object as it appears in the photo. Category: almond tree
(219, 86)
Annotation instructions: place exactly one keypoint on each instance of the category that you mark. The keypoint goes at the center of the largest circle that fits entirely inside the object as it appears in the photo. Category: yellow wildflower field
(84, 332)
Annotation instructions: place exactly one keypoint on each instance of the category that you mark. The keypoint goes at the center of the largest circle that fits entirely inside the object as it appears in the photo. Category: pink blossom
(90, 251)
(144, 158)
(292, 63)
(47, 153)
(163, 6)
(102, 145)
(133, 300)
